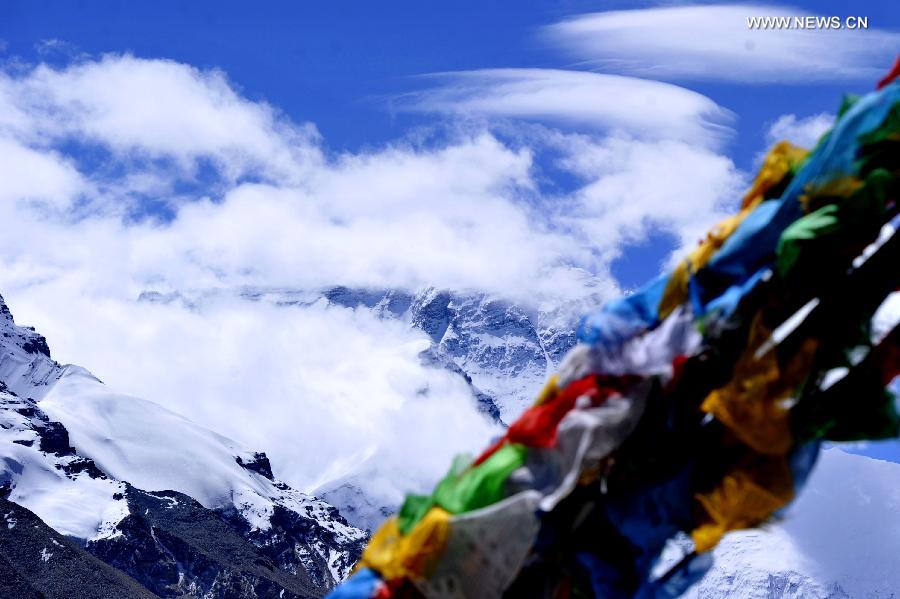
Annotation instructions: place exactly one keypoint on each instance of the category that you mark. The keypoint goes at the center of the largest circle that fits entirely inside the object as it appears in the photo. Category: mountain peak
(5, 314)
(25, 337)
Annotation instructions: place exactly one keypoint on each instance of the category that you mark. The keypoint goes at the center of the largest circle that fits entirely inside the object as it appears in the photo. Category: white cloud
(637, 187)
(447, 217)
(714, 42)
(34, 176)
(804, 132)
(324, 391)
(649, 109)
(157, 109)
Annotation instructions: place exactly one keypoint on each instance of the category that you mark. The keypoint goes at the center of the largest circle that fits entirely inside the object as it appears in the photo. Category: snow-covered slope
(840, 540)
(78, 455)
(44, 474)
(508, 350)
(157, 450)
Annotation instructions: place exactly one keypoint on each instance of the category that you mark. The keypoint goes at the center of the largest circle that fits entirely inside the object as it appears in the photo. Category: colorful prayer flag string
(695, 405)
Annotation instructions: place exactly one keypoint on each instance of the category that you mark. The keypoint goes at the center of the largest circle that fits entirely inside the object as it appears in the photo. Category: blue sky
(363, 74)
(339, 64)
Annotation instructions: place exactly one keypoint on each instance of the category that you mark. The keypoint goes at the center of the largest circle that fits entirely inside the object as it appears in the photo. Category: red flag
(892, 74)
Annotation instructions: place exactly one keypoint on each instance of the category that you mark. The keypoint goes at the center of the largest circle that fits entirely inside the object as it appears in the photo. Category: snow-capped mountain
(839, 540)
(181, 509)
(507, 350)
(503, 349)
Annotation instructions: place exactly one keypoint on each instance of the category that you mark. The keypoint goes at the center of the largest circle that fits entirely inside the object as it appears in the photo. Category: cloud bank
(123, 175)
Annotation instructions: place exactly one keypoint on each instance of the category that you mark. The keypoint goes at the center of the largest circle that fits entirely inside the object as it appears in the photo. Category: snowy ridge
(26, 367)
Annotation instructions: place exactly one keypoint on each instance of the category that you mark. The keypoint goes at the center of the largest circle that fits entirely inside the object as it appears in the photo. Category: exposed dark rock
(435, 356)
(25, 359)
(38, 562)
(30, 341)
(54, 438)
(37, 345)
(78, 464)
(4, 310)
(289, 541)
(431, 314)
(259, 464)
(176, 547)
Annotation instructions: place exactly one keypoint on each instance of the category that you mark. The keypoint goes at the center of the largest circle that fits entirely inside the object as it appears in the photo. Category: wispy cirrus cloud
(714, 42)
(600, 102)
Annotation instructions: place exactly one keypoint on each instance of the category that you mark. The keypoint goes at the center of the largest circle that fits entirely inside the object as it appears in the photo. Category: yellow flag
(395, 555)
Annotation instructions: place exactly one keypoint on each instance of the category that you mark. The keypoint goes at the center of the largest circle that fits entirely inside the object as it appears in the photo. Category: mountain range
(108, 495)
